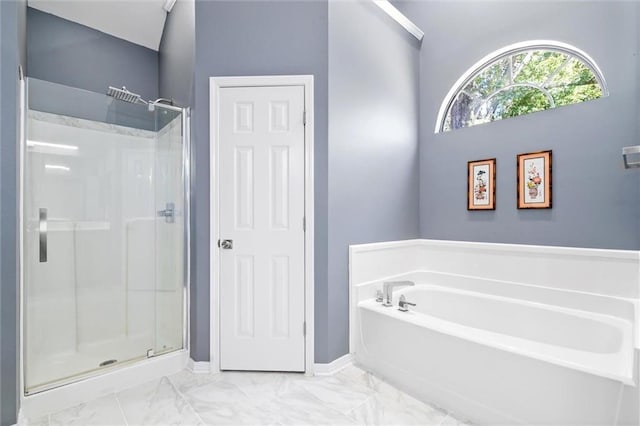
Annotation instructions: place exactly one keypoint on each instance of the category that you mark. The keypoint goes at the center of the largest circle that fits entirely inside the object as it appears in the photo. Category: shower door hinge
(304, 329)
(304, 118)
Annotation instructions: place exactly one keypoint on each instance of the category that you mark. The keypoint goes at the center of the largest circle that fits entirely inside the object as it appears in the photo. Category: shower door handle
(169, 213)
(42, 235)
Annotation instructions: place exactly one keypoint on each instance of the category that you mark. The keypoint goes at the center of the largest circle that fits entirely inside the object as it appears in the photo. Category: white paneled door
(261, 219)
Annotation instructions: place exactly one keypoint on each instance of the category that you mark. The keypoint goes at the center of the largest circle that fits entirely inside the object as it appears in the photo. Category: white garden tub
(500, 360)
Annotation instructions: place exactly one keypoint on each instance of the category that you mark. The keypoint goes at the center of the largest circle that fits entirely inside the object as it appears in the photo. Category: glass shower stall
(105, 233)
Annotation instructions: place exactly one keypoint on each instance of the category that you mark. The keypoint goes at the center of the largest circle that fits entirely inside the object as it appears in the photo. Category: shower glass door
(169, 234)
(103, 238)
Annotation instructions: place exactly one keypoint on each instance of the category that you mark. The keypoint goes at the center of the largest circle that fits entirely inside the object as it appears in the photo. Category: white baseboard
(334, 366)
(199, 367)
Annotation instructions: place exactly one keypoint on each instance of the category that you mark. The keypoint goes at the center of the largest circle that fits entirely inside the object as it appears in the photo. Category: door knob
(225, 244)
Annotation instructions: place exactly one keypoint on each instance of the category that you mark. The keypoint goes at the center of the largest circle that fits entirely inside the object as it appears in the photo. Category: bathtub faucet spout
(388, 290)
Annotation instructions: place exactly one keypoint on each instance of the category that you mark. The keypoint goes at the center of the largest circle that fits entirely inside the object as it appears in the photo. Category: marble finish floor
(349, 397)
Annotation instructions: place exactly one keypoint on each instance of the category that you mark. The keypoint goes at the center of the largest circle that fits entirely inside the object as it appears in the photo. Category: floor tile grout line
(184, 398)
(369, 398)
(311, 396)
(299, 386)
(124, 416)
(377, 392)
(326, 405)
(240, 389)
(371, 393)
(373, 381)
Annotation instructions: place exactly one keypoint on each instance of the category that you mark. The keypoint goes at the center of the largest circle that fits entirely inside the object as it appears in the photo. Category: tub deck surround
(540, 340)
(596, 271)
(492, 269)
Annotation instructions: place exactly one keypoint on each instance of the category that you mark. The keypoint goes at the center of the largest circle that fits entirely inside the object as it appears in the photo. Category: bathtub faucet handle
(403, 305)
(388, 290)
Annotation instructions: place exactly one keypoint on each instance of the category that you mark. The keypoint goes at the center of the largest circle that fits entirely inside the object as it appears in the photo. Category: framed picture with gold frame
(481, 184)
(534, 180)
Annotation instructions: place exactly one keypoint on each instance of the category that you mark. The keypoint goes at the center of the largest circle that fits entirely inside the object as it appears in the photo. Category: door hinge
(304, 118)
(304, 224)
(304, 329)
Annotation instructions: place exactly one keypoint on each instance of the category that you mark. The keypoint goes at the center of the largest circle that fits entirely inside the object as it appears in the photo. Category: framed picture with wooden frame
(534, 180)
(481, 184)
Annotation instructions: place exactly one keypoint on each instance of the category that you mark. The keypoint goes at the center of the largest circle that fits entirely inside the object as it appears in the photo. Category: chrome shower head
(125, 95)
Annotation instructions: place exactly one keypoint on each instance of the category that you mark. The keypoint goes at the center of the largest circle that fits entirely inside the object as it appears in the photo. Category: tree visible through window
(520, 80)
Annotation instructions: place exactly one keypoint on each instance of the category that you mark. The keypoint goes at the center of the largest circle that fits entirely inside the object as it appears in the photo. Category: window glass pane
(522, 81)
(490, 79)
(460, 113)
(540, 66)
(568, 95)
(516, 101)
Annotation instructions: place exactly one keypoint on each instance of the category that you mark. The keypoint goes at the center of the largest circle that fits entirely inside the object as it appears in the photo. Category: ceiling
(138, 21)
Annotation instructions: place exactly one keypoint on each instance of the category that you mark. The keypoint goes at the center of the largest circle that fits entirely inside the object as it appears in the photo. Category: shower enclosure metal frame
(186, 185)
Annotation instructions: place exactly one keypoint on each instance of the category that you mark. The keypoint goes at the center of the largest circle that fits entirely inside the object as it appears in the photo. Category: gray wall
(366, 176)
(12, 53)
(177, 54)
(68, 53)
(637, 94)
(373, 145)
(595, 201)
(255, 38)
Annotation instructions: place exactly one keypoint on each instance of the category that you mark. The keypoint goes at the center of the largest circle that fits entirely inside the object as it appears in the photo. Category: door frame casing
(215, 84)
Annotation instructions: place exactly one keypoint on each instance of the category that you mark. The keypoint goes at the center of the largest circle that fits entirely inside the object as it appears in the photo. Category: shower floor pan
(63, 368)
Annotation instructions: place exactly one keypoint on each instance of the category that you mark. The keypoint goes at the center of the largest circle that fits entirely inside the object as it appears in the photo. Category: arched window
(521, 79)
